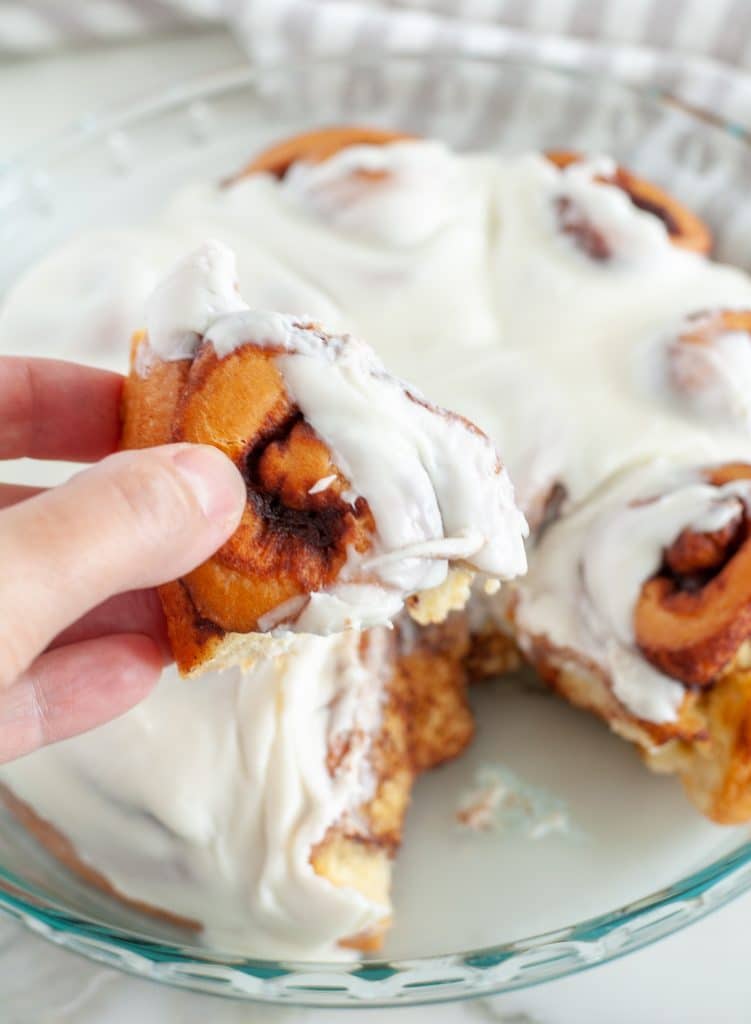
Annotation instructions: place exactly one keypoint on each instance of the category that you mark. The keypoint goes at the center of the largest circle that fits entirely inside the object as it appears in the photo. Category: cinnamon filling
(287, 509)
(290, 542)
(693, 559)
(694, 614)
(705, 326)
(582, 232)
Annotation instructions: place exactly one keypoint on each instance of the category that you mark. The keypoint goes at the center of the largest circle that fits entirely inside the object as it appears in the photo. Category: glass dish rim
(54, 920)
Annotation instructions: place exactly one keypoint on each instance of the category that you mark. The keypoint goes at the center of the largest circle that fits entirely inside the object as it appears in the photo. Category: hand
(81, 639)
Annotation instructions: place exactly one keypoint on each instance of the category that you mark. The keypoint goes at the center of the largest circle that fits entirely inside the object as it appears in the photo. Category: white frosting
(712, 378)
(590, 566)
(494, 386)
(433, 483)
(456, 270)
(373, 206)
(323, 484)
(82, 301)
(207, 798)
(394, 278)
(590, 327)
(185, 304)
(633, 236)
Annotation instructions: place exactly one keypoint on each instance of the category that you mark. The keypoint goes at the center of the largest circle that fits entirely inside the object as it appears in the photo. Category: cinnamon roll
(551, 302)
(638, 607)
(275, 836)
(361, 494)
(708, 366)
(684, 228)
(316, 146)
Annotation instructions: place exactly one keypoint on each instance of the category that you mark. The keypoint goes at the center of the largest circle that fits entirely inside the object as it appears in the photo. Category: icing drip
(433, 483)
(589, 569)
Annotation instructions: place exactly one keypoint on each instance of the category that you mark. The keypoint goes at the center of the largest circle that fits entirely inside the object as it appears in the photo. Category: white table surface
(699, 976)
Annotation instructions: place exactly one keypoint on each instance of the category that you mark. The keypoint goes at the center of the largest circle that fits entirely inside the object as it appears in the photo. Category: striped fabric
(692, 47)
(31, 26)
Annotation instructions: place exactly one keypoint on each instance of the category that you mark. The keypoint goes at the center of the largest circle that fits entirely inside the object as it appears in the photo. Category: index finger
(50, 409)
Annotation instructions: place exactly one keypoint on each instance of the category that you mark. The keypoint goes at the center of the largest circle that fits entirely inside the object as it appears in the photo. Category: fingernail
(215, 482)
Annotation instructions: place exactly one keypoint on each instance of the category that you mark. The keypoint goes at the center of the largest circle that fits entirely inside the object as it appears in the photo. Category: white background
(699, 976)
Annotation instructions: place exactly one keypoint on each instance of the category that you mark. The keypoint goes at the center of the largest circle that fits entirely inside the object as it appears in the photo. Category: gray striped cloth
(694, 48)
(33, 26)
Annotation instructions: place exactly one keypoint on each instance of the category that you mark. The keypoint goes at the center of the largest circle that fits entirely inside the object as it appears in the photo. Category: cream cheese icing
(434, 484)
(207, 799)
(594, 327)
(459, 272)
(483, 278)
(711, 378)
(590, 566)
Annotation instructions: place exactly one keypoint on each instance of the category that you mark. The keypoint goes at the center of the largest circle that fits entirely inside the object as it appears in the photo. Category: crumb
(554, 822)
(502, 802)
(322, 485)
(433, 605)
(478, 814)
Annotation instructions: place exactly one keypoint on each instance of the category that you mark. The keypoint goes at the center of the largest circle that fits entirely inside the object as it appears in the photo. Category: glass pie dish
(475, 913)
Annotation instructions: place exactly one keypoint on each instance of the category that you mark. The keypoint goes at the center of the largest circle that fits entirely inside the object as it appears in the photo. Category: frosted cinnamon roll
(694, 613)
(371, 185)
(260, 810)
(683, 227)
(316, 146)
(708, 366)
(361, 494)
(638, 607)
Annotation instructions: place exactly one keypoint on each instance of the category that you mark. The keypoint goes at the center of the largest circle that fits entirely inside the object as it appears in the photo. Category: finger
(50, 409)
(138, 611)
(73, 689)
(136, 519)
(12, 494)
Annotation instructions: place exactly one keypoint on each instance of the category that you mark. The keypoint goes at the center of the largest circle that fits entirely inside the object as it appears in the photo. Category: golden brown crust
(194, 641)
(694, 614)
(685, 229)
(315, 147)
(149, 402)
(716, 773)
(433, 679)
(370, 941)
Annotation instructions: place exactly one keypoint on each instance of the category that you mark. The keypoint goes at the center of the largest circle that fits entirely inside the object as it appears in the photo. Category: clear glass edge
(98, 123)
(591, 931)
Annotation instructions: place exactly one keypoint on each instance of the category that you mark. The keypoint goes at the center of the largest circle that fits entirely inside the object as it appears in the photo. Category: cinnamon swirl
(360, 493)
(684, 228)
(638, 607)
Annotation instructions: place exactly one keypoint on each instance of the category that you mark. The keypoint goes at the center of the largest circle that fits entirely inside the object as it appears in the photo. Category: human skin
(82, 636)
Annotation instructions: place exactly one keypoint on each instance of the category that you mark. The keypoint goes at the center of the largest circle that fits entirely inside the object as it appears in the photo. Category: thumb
(136, 519)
